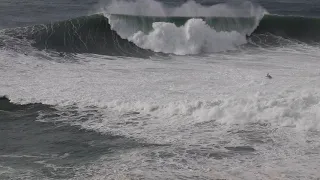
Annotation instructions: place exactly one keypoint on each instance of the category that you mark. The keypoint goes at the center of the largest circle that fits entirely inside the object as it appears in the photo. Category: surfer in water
(268, 76)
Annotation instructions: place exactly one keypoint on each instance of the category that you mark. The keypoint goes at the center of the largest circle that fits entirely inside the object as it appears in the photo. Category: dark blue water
(33, 149)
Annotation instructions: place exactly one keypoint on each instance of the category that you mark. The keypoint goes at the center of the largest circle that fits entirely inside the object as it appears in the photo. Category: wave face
(89, 34)
(86, 34)
(189, 29)
(298, 28)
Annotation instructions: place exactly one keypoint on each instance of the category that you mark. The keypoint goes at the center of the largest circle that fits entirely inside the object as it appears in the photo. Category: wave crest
(152, 25)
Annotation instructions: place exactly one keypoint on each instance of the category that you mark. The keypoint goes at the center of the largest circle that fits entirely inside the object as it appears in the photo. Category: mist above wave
(188, 9)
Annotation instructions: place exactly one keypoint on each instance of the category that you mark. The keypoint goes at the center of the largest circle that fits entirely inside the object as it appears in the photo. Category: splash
(192, 38)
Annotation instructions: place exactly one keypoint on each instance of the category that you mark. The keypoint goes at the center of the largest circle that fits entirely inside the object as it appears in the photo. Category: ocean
(168, 89)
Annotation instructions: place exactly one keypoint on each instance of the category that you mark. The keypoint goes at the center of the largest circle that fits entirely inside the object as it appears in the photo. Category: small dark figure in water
(61, 54)
(268, 76)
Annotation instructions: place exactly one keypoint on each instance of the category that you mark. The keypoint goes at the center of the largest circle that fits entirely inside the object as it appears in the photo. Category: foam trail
(192, 38)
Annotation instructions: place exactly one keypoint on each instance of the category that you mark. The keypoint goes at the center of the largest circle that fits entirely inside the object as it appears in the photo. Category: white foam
(297, 110)
(221, 88)
(193, 103)
(192, 38)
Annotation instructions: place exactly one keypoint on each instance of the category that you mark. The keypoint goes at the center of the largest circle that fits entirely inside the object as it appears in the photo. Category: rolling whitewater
(162, 89)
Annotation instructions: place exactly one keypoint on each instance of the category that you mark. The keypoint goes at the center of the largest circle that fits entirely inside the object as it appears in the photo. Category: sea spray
(188, 9)
(192, 38)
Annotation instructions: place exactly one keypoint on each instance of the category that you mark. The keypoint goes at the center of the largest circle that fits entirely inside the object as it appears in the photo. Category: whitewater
(147, 90)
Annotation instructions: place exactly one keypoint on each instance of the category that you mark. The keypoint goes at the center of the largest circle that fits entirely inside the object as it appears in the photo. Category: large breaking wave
(189, 29)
